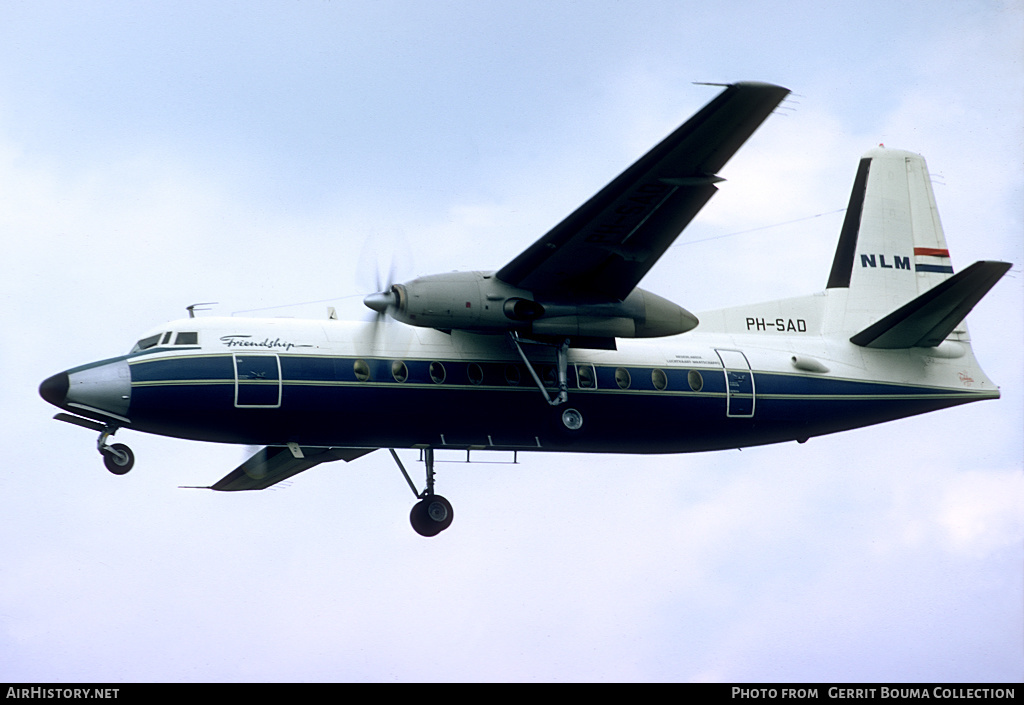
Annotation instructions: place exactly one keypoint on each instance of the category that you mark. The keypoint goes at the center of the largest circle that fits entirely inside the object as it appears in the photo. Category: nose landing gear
(118, 457)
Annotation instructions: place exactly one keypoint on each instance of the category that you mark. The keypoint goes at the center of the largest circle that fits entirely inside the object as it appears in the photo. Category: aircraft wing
(272, 464)
(602, 250)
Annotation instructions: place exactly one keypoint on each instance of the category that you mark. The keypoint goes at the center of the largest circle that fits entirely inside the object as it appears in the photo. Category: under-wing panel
(272, 464)
(602, 250)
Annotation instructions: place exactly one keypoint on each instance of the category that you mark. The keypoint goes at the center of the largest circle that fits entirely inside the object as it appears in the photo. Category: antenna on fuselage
(193, 308)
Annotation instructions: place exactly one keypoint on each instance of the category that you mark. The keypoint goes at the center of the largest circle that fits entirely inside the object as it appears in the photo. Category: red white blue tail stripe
(932, 259)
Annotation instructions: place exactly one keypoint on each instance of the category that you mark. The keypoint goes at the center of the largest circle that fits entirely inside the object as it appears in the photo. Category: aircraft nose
(55, 389)
(103, 388)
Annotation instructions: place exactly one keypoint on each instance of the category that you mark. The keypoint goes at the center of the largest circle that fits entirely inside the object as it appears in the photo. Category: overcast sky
(261, 154)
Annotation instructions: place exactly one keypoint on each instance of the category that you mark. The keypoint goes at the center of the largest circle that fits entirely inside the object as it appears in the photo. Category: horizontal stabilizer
(928, 319)
(272, 464)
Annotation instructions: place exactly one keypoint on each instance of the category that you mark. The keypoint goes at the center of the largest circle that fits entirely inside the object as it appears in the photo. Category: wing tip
(744, 84)
(760, 84)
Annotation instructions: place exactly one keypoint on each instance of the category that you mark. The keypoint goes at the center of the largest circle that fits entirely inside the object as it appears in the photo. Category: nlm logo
(900, 262)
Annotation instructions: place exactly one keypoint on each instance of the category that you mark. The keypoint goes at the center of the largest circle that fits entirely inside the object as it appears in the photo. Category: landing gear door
(257, 380)
(739, 384)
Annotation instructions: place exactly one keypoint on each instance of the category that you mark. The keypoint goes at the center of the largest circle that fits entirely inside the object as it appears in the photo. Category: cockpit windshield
(146, 343)
(163, 339)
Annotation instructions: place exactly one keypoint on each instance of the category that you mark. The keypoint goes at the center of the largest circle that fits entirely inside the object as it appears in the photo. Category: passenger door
(257, 380)
(739, 384)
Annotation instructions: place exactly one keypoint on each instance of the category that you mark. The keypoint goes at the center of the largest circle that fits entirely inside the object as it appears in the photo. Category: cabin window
(549, 375)
(475, 373)
(659, 379)
(437, 372)
(694, 379)
(585, 377)
(186, 339)
(399, 371)
(512, 375)
(361, 370)
(622, 377)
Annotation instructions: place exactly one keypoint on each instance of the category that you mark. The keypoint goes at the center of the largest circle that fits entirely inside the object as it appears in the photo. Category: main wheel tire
(118, 458)
(431, 515)
(572, 419)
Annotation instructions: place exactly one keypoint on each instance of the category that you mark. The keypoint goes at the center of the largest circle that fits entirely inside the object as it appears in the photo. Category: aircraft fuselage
(330, 383)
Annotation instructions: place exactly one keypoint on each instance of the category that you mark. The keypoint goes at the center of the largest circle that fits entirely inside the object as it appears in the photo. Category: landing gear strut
(432, 514)
(561, 365)
(118, 458)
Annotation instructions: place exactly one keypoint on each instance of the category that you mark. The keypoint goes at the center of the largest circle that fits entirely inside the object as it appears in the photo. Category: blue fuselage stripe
(324, 402)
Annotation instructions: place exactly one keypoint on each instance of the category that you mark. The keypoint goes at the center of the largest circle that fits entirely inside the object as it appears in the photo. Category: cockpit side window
(187, 338)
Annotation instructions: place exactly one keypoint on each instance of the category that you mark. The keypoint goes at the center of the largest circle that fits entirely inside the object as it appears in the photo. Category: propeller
(248, 451)
(258, 469)
(383, 297)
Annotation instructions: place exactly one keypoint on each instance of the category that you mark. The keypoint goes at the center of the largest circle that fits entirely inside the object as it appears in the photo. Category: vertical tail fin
(891, 248)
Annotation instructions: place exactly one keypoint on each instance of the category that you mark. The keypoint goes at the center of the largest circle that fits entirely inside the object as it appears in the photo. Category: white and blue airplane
(561, 351)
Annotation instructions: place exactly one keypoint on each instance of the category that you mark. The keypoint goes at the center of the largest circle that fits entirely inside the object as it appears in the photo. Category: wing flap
(602, 250)
(928, 319)
(273, 464)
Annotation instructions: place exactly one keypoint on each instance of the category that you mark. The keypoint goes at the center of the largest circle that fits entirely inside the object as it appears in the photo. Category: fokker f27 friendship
(560, 350)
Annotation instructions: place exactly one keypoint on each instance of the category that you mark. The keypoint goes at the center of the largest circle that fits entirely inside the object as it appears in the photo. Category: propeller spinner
(381, 301)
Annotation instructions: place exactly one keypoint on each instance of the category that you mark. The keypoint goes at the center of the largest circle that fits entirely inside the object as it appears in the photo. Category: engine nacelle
(479, 301)
(458, 300)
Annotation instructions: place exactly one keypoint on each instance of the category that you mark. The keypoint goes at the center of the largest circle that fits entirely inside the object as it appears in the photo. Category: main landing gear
(432, 514)
(561, 365)
(572, 419)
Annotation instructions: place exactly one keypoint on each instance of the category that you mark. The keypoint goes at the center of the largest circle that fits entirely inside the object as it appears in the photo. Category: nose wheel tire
(431, 515)
(118, 458)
